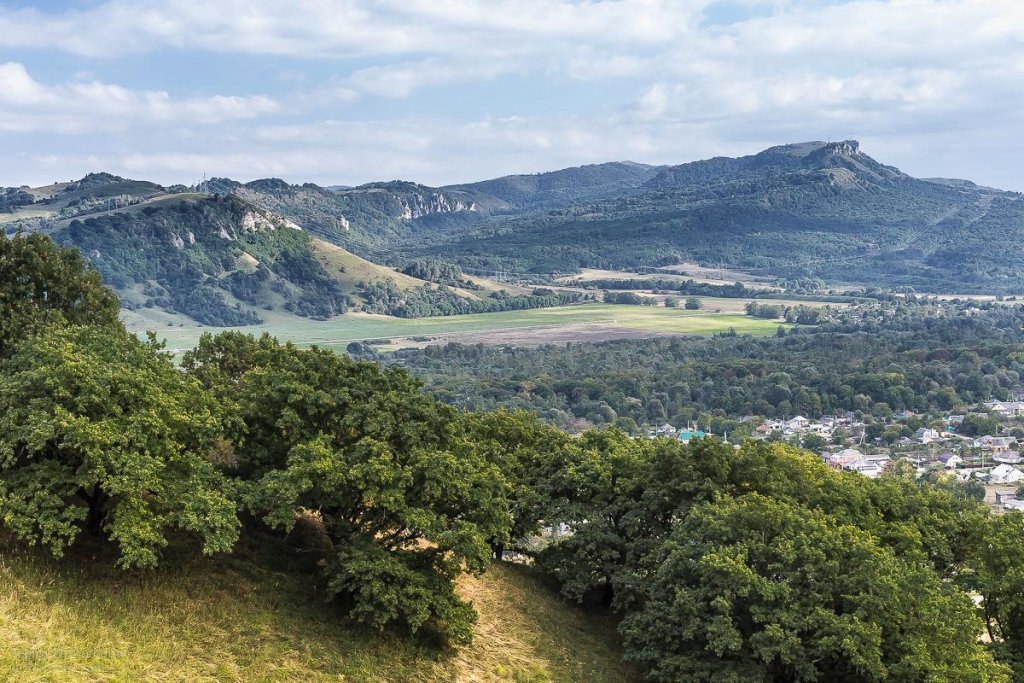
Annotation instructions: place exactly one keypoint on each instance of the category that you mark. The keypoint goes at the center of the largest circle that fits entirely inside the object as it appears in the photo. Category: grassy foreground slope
(241, 618)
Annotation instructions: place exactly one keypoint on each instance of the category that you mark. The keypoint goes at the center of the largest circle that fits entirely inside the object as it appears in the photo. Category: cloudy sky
(441, 91)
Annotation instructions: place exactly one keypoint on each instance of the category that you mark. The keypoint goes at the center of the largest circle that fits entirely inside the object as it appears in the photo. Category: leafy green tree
(530, 456)
(42, 283)
(627, 298)
(999, 567)
(619, 497)
(407, 498)
(671, 302)
(99, 432)
(692, 303)
(976, 424)
(814, 443)
(756, 589)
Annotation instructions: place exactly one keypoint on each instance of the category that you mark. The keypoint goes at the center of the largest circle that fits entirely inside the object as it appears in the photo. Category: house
(1006, 409)
(1008, 458)
(1005, 474)
(688, 435)
(797, 423)
(1004, 497)
(843, 458)
(926, 435)
(950, 460)
(865, 467)
(904, 414)
(995, 444)
(1014, 505)
(666, 430)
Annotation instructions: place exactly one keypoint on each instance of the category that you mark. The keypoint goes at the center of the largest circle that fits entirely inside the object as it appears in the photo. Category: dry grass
(256, 617)
(357, 269)
(527, 634)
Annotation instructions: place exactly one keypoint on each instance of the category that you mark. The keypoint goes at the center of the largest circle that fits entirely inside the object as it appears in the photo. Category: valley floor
(238, 619)
(586, 322)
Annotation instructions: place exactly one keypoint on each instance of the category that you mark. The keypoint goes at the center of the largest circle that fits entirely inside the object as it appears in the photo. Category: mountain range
(224, 250)
(816, 209)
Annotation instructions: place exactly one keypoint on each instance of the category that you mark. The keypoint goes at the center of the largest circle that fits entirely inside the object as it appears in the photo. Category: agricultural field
(681, 273)
(589, 322)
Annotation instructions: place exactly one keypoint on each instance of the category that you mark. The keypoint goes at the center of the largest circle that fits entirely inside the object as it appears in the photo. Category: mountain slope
(558, 188)
(813, 209)
(365, 217)
(372, 217)
(225, 258)
(206, 257)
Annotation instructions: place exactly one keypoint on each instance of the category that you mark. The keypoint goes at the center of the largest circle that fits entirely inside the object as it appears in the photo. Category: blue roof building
(687, 435)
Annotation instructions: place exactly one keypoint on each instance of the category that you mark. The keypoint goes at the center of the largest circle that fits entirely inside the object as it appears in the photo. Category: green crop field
(547, 325)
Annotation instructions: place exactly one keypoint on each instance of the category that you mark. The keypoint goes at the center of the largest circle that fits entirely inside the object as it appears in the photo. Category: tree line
(387, 298)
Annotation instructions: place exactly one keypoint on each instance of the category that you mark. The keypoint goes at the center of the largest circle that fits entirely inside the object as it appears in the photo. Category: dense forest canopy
(877, 359)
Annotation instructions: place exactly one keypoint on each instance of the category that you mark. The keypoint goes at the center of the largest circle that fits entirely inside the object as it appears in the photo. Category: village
(980, 449)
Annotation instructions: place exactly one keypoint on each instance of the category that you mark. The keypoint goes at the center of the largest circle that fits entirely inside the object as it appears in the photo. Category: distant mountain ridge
(226, 253)
(556, 188)
(823, 157)
(819, 209)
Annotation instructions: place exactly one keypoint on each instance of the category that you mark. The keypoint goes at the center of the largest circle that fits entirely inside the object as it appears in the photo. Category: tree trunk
(97, 511)
(498, 549)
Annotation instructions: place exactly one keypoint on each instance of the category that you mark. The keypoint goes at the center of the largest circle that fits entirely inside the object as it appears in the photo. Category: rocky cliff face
(419, 205)
(848, 167)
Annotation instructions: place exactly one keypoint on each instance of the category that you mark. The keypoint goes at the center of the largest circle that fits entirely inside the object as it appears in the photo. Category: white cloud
(914, 79)
(319, 28)
(402, 79)
(93, 106)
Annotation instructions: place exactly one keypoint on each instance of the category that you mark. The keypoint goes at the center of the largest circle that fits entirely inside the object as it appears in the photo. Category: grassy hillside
(250, 617)
(350, 269)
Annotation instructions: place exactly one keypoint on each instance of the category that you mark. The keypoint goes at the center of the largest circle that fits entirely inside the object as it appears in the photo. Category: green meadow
(561, 322)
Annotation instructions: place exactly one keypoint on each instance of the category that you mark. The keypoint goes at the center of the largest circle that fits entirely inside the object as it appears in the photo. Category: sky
(445, 91)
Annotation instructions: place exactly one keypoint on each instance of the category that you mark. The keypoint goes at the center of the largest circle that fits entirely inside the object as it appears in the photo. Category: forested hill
(559, 188)
(374, 217)
(227, 254)
(826, 210)
(815, 209)
(213, 258)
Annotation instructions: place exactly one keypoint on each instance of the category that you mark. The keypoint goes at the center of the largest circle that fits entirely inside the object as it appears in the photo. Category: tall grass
(258, 616)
